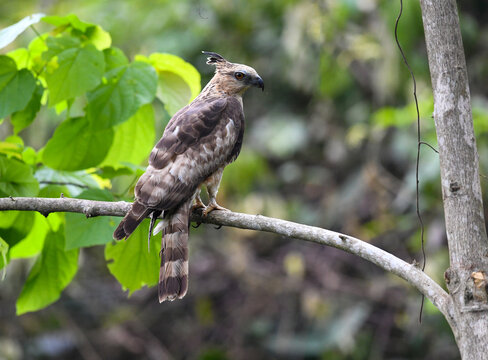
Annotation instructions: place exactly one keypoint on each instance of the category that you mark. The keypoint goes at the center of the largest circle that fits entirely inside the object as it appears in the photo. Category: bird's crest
(214, 58)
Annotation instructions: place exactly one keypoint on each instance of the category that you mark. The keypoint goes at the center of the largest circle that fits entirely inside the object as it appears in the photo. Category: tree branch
(409, 272)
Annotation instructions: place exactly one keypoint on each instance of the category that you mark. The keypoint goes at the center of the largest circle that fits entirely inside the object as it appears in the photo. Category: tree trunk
(466, 277)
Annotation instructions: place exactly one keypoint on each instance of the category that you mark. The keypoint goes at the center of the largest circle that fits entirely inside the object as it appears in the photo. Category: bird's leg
(198, 204)
(213, 183)
(198, 201)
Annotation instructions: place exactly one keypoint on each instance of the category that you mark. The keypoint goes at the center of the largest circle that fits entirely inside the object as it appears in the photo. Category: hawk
(198, 142)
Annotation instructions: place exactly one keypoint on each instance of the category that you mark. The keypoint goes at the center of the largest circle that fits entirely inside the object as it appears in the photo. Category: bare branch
(48, 205)
(409, 272)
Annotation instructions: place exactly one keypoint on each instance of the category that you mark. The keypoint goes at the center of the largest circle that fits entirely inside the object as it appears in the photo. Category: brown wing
(199, 139)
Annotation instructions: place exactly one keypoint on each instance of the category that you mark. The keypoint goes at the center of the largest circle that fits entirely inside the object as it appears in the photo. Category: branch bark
(465, 225)
(409, 272)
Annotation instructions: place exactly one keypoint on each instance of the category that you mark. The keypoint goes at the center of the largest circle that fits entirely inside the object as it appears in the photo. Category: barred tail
(173, 274)
(132, 219)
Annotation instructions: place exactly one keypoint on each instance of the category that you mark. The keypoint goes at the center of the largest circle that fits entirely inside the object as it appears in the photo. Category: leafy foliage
(177, 80)
(124, 90)
(23, 118)
(53, 271)
(32, 244)
(16, 86)
(133, 139)
(3, 253)
(132, 256)
(16, 178)
(80, 232)
(77, 144)
(72, 68)
(105, 130)
(15, 225)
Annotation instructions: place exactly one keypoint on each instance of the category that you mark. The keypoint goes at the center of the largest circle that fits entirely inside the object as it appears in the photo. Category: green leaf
(130, 262)
(63, 106)
(21, 57)
(52, 272)
(75, 182)
(36, 49)
(125, 89)
(22, 119)
(11, 149)
(70, 20)
(9, 34)
(76, 145)
(38, 45)
(178, 81)
(55, 221)
(133, 139)
(15, 225)
(99, 37)
(109, 172)
(73, 68)
(32, 244)
(173, 91)
(4, 260)
(29, 156)
(16, 179)
(83, 232)
(14, 139)
(172, 63)
(56, 45)
(114, 57)
(54, 191)
(89, 33)
(16, 87)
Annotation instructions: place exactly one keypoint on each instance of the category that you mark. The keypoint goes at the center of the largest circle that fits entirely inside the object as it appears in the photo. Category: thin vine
(419, 144)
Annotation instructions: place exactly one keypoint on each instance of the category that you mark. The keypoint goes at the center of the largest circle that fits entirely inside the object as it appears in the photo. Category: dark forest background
(331, 143)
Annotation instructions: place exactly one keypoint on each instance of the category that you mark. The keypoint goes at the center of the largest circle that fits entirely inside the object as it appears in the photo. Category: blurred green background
(330, 143)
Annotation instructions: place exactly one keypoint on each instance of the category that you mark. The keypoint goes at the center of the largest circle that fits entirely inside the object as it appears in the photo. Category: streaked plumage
(199, 141)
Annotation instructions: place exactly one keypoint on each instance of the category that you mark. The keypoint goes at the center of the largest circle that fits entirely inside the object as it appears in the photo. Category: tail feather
(132, 219)
(173, 274)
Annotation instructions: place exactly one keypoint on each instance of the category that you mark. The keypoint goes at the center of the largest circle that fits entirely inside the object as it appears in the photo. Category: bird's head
(236, 78)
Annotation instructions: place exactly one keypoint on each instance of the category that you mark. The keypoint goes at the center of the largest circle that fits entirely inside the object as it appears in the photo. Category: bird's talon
(196, 208)
(211, 207)
(196, 225)
(198, 205)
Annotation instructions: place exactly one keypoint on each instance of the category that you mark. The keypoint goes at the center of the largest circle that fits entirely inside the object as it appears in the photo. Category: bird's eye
(238, 75)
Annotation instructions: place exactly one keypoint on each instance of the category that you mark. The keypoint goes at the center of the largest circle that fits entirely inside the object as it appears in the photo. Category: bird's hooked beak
(258, 82)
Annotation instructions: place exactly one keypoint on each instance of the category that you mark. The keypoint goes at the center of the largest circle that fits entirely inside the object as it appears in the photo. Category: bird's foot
(211, 207)
(198, 204)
